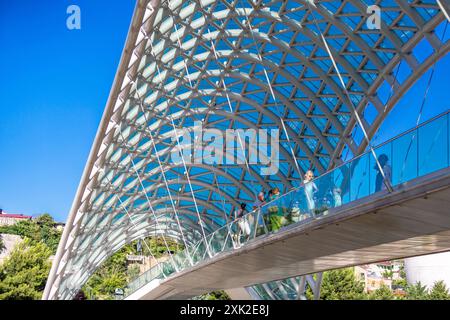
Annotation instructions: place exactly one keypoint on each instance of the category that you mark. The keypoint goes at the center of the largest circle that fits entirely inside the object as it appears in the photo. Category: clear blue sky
(54, 84)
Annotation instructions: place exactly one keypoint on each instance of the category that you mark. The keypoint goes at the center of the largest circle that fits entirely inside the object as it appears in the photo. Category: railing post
(255, 224)
(448, 139)
(418, 153)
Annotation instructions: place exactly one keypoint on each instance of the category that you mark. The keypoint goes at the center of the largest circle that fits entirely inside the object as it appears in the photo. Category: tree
(24, 273)
(104, 282)
(112, 274)
(382, 293)
(40, 229)
(416, 292)
(399, 283)
(47, 231)
(388, 274)
(115, 272)
(439, 291)
(402, 272)
(133, 272)
(2, 245)
(341, 284)
(215, 295)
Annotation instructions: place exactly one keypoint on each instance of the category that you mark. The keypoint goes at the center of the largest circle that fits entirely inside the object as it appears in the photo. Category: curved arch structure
(234, 64)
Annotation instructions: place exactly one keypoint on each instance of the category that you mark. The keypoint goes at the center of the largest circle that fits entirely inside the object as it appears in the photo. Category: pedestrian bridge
(321, 78)
(352, 220)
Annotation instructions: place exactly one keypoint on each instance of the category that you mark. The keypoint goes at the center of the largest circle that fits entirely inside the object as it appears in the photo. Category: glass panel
(421, 151)
(360, 177)
(433, 146)
(448, 139)
(316, 195)
(405, 158)
(217, 240)
(384, 156)
(342, 182)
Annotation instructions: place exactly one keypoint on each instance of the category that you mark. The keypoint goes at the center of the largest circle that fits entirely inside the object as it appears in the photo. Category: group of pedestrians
(275, 218)
(278, 215)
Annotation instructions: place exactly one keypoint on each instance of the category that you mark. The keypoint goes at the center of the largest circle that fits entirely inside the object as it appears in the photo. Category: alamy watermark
(216, 147)
(374, 19)
(73, 21)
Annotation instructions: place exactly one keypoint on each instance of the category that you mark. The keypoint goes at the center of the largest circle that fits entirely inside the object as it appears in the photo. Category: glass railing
(286, 289)
(415, 153)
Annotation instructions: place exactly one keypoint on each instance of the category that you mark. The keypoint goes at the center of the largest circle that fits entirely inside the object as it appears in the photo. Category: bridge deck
(413, 220)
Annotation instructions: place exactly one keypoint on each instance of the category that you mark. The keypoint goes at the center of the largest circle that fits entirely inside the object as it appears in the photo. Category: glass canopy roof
(302, 67)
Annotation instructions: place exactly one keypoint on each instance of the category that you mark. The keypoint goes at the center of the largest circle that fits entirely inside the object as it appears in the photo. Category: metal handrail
(257, 212)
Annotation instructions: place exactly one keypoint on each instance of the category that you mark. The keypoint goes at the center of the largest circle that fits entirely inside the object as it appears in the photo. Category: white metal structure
(234, 64)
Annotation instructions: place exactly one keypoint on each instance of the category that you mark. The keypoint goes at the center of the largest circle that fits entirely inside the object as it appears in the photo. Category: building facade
(428, 269)
(7, 219)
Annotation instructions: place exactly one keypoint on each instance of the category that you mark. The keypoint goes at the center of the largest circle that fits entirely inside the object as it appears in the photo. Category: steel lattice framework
(194, 60)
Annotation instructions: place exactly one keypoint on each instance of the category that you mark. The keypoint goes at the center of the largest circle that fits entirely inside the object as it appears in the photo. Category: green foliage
(115, 273)
(382, 293)
(24, 273)
(439, 291)
(2, 245)
(158, 247)
(416, 292)
(104, 282)
(133, 272)
(341, 284)
(388, 274)
(215, 295)
(402, 272)
(40, 229)
(47, 231)
(399, 283)
(309, 293)
(420, 292)
(111, 275)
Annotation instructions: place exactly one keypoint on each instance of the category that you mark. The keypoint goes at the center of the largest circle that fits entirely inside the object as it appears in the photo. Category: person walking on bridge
(243, 227)
(310, 189)
(379, 181)
(259, 223)
(275, 211)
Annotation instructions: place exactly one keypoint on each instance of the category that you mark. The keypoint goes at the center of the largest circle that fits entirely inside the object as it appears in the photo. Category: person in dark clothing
(243, 227)
(242, 210)
(379, 181)
(269, 195)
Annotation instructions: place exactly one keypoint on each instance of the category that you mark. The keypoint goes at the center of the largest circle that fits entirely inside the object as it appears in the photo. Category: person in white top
(259, 221)
(260, 201)
(310, 189)
(243, 225)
